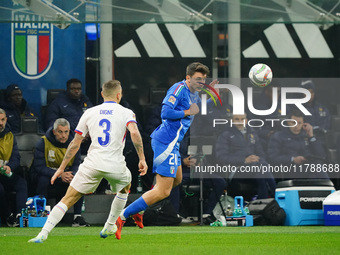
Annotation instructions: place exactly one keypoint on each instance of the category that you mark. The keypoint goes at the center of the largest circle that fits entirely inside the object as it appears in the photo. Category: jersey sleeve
(82, 128)
(173, 96)
(170, 102)
(171, 114)
(130, 116)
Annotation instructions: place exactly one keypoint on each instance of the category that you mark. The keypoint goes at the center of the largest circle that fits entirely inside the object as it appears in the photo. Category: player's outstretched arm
(72, 149)
(138, 143)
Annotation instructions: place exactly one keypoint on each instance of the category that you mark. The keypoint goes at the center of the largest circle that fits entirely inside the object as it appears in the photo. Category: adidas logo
(309, 34)
(156, 46)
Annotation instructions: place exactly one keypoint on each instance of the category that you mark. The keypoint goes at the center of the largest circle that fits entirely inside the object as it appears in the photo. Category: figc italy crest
(31, 45)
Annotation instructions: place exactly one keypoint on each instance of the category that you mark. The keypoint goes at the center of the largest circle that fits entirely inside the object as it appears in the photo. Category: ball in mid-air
(260, 75)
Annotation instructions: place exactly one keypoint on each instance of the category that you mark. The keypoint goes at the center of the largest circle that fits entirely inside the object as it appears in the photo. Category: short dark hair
(295, 112)
(197, 67)
(73, 80)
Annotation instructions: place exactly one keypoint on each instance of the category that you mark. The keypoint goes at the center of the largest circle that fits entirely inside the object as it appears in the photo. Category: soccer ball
(260, 75)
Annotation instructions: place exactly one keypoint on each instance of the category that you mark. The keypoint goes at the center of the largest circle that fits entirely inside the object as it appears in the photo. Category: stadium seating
(51, 95)
(26, 141)
(29, 125)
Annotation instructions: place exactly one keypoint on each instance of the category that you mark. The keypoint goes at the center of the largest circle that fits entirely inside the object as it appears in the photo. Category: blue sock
(137, 206)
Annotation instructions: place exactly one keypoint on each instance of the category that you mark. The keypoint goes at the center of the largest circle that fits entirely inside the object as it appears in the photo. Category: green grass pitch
(176, 240)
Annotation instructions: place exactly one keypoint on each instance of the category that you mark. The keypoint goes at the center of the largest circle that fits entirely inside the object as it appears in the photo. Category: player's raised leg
(138, 217)
(57, 213)
(159, 192)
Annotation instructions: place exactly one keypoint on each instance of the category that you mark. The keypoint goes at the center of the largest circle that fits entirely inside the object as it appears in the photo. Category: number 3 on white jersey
(105, 124)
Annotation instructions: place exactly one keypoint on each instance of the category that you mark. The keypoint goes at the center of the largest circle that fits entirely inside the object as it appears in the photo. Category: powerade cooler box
(331, 209)
(302, 200)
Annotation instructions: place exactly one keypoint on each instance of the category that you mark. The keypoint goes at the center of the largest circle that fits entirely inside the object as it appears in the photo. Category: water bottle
(33, 212)
(83, 206)
(229, 212)
(246, 210)
(216, 224)
(139, 185)
(3, 171)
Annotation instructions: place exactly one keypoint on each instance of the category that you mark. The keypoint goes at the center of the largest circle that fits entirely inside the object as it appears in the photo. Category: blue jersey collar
(185, 84)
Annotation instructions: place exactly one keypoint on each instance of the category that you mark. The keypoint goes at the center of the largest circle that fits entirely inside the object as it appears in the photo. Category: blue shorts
(166, 158)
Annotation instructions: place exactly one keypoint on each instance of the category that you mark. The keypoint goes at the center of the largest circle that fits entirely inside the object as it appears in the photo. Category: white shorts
(86, 180)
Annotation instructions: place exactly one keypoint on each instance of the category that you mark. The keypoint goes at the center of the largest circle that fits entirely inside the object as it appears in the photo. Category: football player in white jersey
(107, 125)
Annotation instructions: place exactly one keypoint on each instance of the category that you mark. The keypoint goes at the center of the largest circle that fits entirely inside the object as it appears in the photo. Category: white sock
(117, 206)
(76, 215)
(122, 215)
(54, 218)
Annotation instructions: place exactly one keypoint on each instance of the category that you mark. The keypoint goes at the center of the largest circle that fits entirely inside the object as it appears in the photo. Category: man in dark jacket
(320, 118)
(70, 104)
(240, 146)
(9, 180)
(264, 102)
(297, 145)
(48, 155)
(16, 107)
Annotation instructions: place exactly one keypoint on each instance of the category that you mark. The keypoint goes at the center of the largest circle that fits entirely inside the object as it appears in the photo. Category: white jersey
(107, 125)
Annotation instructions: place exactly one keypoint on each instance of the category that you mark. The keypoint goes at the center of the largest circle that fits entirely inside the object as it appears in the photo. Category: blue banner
(38, 56)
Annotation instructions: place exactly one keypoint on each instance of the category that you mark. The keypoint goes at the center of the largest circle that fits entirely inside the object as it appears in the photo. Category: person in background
(264, 102)
(320, 118)
(48, 155)
(70, 105)
(239, 146)
(297, 145)
(16, 107)
(9, 180)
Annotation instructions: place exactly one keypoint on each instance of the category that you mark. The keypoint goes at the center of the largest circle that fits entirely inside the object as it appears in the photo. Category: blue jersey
(174, 124)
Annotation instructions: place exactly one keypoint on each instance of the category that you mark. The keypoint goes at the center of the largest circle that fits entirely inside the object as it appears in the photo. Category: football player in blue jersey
(178, 109)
